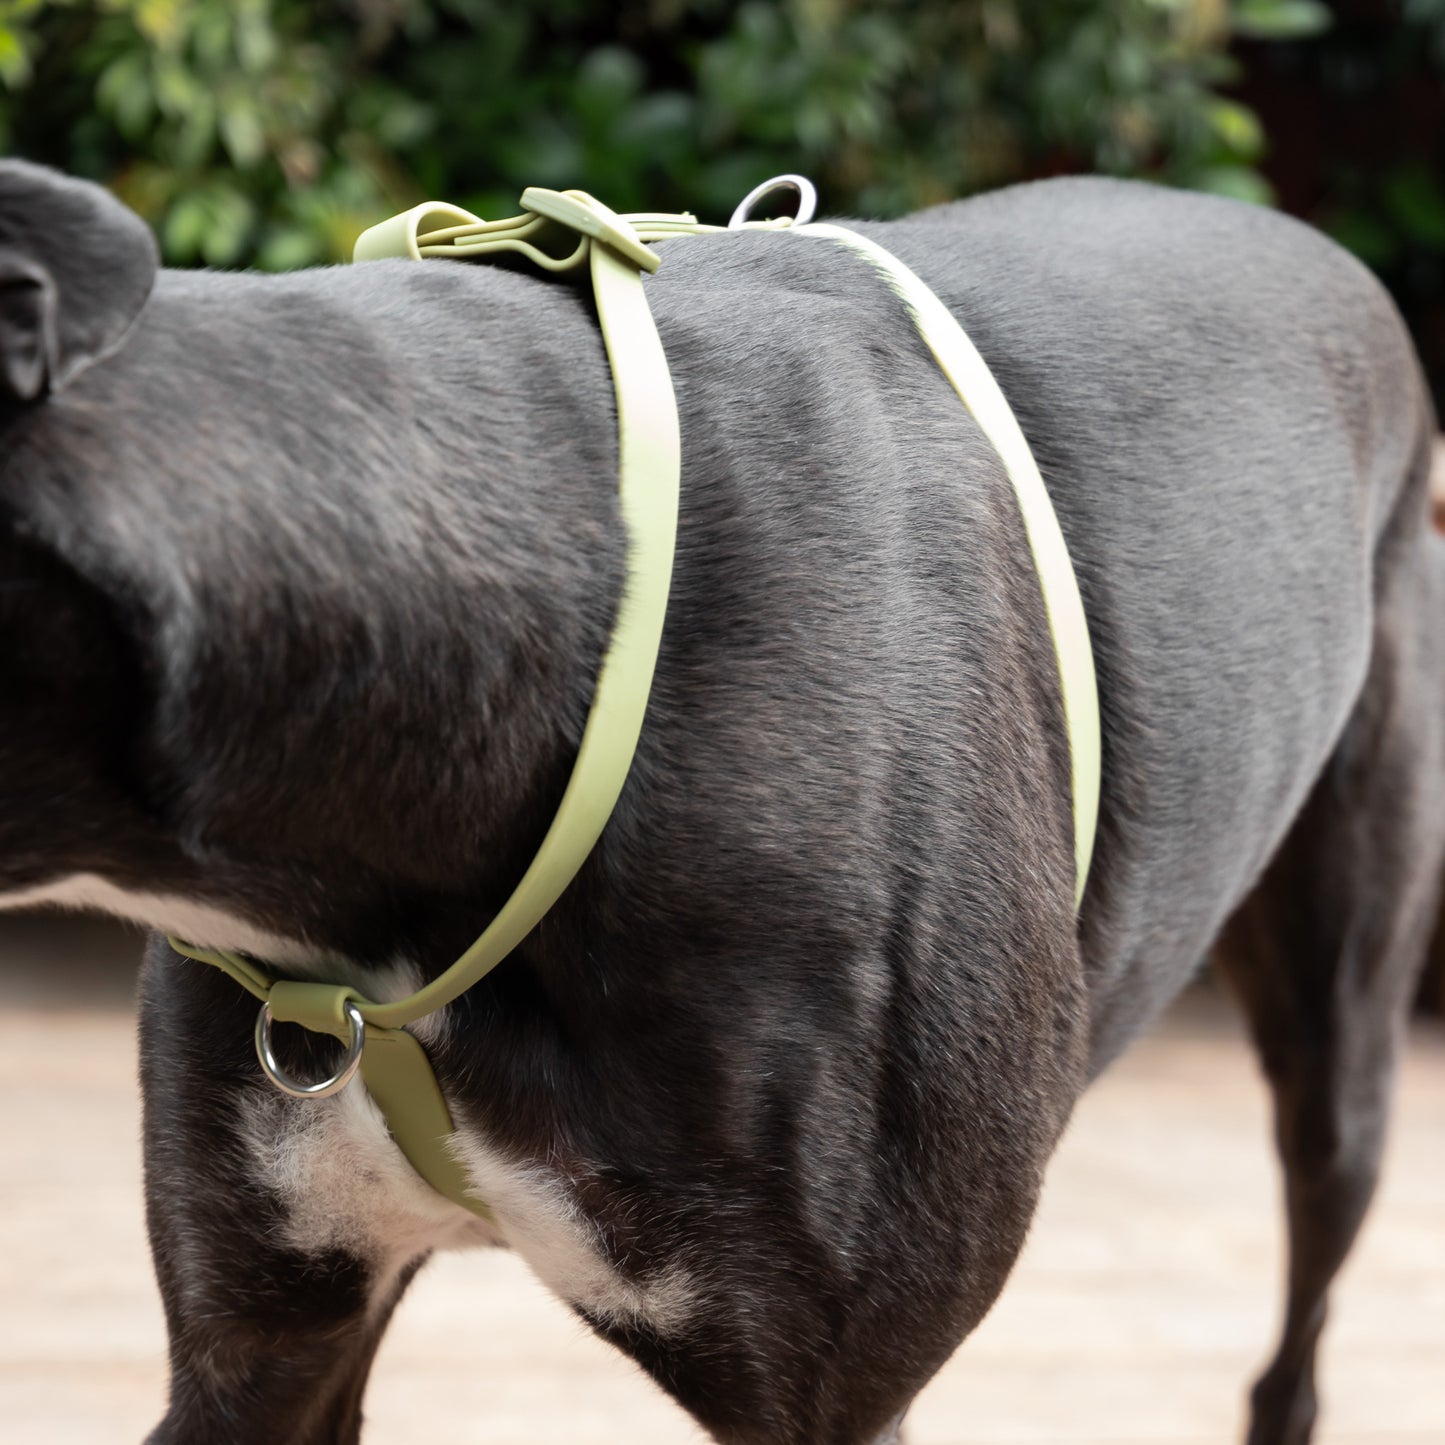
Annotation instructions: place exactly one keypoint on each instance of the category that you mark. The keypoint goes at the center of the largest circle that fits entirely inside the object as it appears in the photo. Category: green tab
(398, 1076)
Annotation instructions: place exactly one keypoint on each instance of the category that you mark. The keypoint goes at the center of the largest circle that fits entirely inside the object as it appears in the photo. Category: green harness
(559, 232)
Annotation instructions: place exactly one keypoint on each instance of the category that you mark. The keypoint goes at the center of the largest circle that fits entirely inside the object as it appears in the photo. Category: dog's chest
(343, 1184)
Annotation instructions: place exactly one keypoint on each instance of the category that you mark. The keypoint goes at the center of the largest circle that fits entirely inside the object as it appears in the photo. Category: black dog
(303, 587)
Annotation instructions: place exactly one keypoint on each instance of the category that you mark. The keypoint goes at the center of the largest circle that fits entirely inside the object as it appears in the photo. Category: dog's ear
(76, 268)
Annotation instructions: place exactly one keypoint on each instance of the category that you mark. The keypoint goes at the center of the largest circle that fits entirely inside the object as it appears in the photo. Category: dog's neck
(331, 597)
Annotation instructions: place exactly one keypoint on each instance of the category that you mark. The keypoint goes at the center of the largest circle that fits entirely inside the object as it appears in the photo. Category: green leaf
(242, 133)
(228, 227)
(14, 59)
(1240, 183)
(1237, 127)
(193, 137)
(1414, 198)
(257, 44)
(1279, 19)
(176, 88)
(610, 76)
(1366, 235)
(124, 90)
(184, 228)
(160, 21)
(289, 248)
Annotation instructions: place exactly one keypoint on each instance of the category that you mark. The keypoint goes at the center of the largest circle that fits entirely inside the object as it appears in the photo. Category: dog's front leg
(291, 1370)
(274, 1314)
(267, 1342)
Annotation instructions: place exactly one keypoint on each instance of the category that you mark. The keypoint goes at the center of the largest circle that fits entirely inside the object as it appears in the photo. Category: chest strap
(561, 232)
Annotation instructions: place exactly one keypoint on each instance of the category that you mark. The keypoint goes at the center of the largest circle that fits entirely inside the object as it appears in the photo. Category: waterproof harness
(562, 232)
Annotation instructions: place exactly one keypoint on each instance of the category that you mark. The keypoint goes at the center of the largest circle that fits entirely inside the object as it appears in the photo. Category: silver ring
(336, 1082)
(807, 200)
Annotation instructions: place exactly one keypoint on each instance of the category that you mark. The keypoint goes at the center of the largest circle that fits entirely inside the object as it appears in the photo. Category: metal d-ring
(336, 1082)
(807, 200)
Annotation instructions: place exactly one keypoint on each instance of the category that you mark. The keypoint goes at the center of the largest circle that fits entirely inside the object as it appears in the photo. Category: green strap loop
(560, 232)
(246, 971)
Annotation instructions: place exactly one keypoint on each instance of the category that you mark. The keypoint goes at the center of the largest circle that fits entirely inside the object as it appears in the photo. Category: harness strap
(960, 362)
(560, 232)
(394, 1065)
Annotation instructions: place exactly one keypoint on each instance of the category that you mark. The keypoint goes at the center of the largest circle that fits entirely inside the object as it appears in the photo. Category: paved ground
(1145, 1299)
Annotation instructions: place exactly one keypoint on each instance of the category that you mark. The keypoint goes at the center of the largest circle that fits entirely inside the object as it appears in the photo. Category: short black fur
(305, 588)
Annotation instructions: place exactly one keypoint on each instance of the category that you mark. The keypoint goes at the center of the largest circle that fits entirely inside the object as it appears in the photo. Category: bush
(1356, 120)
(269, 132)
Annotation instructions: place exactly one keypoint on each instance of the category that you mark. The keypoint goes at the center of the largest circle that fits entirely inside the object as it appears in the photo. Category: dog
(304, 583)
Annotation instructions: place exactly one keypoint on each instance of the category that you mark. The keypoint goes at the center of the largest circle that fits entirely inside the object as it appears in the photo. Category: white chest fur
(344, 1184)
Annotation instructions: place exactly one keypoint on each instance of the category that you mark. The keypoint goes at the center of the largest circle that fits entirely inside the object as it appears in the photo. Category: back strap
(960, 362)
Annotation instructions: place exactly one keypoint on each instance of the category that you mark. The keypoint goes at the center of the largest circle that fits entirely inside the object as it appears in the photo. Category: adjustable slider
(589, 217)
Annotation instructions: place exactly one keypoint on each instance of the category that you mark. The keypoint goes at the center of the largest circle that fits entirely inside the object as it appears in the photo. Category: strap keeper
(320, 1007)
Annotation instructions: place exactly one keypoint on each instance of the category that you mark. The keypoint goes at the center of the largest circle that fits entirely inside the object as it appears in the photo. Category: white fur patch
(541, 1220)
(210, 927)
(345, 1185)
(198, 923)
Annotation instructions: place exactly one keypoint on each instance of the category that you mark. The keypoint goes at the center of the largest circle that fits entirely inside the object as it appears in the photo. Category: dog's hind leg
(1326, 954)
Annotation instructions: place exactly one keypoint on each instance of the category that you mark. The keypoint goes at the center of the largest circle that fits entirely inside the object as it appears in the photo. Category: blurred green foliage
(1356, 122)
(269, 132)
(1387, 208)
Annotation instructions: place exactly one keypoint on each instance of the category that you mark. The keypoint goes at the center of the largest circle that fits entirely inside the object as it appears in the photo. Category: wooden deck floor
(1146, 1297)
